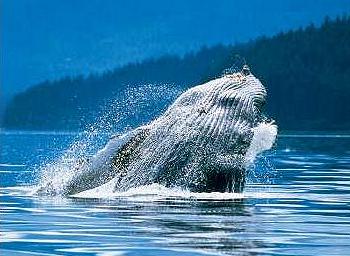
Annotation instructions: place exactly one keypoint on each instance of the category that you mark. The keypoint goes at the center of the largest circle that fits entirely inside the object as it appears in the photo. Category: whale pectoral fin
(124, 155)
(106, 163)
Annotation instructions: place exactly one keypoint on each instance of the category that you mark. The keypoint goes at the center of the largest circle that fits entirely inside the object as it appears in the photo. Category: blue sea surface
(296, 202)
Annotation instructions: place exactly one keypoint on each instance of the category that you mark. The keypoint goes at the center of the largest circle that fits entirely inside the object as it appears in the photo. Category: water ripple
(302, 209)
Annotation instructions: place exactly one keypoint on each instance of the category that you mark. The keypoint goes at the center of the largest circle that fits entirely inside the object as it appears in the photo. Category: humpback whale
(200, 142)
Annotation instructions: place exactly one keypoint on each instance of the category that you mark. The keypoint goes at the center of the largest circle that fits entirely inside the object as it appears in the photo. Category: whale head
(209, 129)
(225, 106)
(243, 95)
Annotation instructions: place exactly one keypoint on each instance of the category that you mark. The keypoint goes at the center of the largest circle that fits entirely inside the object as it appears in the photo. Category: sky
(48, 39)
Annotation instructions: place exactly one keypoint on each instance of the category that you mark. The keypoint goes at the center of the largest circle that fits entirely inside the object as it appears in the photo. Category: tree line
(306, 72)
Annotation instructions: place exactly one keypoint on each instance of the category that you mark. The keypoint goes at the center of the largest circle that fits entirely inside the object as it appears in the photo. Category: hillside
(306, 71)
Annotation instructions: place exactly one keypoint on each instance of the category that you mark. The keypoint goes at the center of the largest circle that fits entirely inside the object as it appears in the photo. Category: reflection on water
(300, 207)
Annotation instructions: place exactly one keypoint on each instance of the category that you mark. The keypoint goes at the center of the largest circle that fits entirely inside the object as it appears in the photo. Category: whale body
(200, 143)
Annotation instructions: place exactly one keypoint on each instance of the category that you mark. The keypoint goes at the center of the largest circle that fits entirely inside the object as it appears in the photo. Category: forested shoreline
(306, 72)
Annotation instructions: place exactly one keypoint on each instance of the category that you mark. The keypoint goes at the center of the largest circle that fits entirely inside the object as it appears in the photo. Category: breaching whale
(200, 143)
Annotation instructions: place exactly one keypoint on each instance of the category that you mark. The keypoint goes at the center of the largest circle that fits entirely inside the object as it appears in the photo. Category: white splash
(263, 139)
(156, 192)
(55, 175)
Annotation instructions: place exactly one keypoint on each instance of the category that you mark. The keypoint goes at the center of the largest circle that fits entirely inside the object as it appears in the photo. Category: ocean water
(296, 202)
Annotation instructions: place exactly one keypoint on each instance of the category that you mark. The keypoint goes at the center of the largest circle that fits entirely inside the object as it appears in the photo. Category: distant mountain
(306, 71)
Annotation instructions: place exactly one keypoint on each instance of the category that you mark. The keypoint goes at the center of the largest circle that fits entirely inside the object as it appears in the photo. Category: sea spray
(129, 104)
(264, 137)
(259, 168)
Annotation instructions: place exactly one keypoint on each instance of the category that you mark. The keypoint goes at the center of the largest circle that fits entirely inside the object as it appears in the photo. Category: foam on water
(152, 192)
(155, 192)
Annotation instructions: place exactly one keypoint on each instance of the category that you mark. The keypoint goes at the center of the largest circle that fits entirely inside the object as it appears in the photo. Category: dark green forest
(306, 72)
